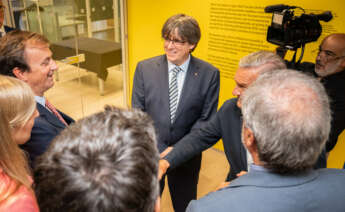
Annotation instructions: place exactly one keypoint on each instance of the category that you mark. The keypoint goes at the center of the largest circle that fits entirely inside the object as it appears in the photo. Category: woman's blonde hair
(16, 101)
(17, 104)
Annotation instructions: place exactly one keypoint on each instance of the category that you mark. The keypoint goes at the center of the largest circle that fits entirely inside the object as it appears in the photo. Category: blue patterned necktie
(173, 93)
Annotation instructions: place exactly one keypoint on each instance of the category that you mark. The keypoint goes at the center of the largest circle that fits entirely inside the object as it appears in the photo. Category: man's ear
(20, 74)
(342, 64)
(191, 47)
(248, 137)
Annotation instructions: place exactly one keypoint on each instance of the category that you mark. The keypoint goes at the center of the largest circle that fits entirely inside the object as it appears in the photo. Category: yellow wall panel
(146, 18)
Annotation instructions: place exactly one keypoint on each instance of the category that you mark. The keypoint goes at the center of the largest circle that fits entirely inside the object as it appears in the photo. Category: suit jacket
(45, 128)
(225, 124)
(198, 100)
(8, 29)
(260, 191)
(335, 87)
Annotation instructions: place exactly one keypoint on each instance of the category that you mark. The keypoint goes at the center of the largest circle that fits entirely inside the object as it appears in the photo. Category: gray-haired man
(286, 122)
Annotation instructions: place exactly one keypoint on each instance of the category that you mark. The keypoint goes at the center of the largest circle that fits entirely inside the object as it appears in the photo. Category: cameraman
(330, 68)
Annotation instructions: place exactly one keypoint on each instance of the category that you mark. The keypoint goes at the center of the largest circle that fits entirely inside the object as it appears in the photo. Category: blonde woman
(17, 115)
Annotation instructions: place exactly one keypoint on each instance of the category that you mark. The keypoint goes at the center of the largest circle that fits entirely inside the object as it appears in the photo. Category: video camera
(292, 32)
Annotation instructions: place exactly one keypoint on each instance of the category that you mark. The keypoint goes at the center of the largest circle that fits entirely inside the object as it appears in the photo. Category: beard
(327, 69)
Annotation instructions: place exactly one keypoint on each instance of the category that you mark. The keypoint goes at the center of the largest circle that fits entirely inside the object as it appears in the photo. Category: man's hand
(222, 185)
(241, 173)
(166, 151)
(163, 167)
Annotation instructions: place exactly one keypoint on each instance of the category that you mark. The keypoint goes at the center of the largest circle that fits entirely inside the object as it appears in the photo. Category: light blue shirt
(41, 100)
(249, 159)
(180, 76)
(258, 168)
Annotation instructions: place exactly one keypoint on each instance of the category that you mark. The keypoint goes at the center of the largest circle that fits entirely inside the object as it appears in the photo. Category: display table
(99, 55)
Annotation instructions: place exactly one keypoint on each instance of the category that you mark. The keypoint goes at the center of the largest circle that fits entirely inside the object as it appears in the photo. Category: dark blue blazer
(8, 29)
(198, 101)
(226, 124)
(45, 128)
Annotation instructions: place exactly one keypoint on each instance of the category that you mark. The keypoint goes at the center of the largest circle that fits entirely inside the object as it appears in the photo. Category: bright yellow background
(146, 18)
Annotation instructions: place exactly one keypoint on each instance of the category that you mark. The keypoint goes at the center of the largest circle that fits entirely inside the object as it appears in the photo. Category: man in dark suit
(227, 122)
(179, 92)
(27, 56)
(286, 122)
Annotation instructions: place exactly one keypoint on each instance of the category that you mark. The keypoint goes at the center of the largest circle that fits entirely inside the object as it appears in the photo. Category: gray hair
(105, 162)
(268, 60)
(289, 114)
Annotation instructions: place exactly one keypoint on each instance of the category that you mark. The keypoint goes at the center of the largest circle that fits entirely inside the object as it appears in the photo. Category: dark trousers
(183, 182)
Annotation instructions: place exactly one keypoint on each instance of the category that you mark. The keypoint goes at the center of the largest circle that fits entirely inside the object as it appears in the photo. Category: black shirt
(335, 88)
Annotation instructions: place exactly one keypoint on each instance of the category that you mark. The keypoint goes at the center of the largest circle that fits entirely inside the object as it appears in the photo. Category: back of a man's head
(105, 162)
(288, 113)
(262, 61)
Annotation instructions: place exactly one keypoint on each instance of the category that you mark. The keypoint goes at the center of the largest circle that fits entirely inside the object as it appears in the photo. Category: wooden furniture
(99, 55)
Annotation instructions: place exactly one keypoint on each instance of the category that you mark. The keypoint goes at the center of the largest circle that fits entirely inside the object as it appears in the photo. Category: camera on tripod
(291, 31)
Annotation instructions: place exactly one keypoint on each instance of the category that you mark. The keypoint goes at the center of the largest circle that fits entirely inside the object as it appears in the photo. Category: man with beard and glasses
(330, 68)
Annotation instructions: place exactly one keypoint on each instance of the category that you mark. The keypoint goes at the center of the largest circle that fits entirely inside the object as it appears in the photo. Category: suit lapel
(163, 85)
(190, 82)
(51, 118)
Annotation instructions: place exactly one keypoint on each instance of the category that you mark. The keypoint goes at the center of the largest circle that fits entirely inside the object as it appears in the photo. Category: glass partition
(85, 41)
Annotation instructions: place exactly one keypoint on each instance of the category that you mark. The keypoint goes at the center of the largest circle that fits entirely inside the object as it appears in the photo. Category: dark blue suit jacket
(8, 29)
(226, 124)
(198, 101)
(46, 127)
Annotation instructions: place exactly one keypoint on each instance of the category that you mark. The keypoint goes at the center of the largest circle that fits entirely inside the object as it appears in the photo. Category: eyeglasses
(174, 42)
(328, 55)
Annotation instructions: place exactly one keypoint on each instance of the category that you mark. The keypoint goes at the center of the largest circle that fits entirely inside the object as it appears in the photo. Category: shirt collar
(40, 100)
(184, 66)
(254, 167)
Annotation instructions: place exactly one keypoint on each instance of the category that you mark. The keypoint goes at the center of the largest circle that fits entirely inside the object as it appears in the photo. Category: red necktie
(55, 112)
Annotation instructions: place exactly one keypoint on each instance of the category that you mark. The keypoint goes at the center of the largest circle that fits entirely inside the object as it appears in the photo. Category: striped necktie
(173, 93)
(55, 112)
